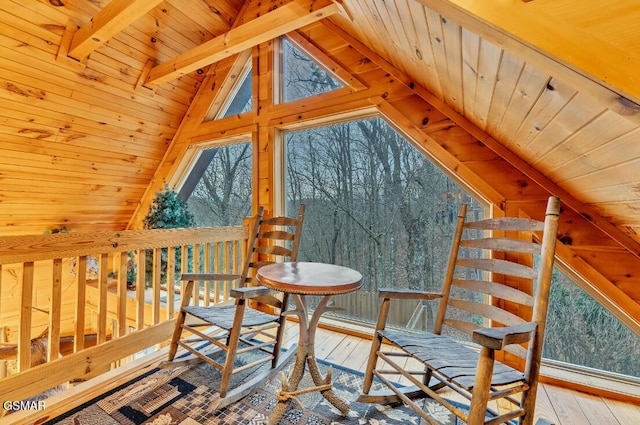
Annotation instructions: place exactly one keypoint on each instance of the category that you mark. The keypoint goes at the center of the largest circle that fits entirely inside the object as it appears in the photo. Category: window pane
(302, 77)
(376, 204)
(582, 332)
(222, 194)
(241, 101)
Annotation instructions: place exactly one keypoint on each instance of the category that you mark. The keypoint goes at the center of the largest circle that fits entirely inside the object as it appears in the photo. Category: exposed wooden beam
(116, 15)
(284, 19)
(433, 150)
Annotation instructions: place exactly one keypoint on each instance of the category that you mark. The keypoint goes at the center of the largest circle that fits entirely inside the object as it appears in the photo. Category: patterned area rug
(183, 396)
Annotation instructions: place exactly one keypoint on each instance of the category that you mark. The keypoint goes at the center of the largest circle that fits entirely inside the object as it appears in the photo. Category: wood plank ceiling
(548, 87)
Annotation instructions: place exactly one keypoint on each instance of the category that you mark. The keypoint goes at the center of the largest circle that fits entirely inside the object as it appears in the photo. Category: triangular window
(302, 76)
(580, 331)
(218, 190)
(239, 100)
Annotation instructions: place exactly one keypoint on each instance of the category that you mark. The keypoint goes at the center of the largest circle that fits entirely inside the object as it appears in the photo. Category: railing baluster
(234, 261)
(103, 275)
(184, 259)
(3, 338)
(155, 285)
(81, 291)
(207, 269)
(226, 266)
(196, 269)
(171, 280)
(216, 268)
(55, 305)
(140, 288)
(122, 294)
(26, 308)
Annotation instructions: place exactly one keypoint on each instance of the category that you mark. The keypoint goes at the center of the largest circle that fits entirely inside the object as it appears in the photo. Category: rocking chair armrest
(209, 276)
(400, 294)
(498, 338)
(251, 292)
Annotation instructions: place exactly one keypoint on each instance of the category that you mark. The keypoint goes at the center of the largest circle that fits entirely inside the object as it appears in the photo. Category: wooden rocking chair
(222, 327)
(480, 280)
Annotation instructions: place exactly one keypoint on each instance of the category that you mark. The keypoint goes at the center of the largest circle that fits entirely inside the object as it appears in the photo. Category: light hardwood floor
(558, 405)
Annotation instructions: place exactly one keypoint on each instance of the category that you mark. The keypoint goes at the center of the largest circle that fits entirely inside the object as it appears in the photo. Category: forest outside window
(374, 203)
(377, 204)
(220, 194)
(302, 76)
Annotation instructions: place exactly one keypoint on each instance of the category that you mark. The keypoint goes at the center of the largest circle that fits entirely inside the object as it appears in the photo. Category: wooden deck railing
(71, 286)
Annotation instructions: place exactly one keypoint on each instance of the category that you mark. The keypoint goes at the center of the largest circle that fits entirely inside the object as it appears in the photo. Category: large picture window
(378, 205)
(374, 203)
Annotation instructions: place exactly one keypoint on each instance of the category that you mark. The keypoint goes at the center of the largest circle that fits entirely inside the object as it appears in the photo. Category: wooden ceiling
(98, 95)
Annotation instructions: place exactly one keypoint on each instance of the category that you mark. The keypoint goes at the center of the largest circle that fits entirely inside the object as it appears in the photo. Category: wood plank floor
(558, 405)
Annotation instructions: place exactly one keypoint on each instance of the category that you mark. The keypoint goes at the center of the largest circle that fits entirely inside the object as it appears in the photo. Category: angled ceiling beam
(116, 16)
(284, 19)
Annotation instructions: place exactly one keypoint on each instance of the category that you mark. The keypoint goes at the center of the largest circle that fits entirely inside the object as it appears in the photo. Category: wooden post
(264, 137)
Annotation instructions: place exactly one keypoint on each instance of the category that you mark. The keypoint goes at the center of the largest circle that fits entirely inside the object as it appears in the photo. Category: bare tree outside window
(302, 77)
(374, 203)
(222, 196)
(580, 331)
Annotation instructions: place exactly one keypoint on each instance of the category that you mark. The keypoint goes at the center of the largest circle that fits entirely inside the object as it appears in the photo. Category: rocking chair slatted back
(275, 239)
(241, 328)
(495, 294)
(481, 278)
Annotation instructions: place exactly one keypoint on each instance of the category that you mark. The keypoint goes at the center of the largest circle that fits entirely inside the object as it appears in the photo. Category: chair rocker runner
(237, 329)
(485, 274)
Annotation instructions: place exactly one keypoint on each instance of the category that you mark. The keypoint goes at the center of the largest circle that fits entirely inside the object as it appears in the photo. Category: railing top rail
(19, 249)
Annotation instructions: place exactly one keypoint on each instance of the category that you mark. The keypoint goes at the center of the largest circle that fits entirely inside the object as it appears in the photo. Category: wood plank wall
(81, 141)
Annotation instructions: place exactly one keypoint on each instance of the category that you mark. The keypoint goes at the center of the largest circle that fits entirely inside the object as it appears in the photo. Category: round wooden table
(301, 279)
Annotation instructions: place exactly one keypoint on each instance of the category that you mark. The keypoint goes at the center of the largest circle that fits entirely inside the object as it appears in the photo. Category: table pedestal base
(306, 356)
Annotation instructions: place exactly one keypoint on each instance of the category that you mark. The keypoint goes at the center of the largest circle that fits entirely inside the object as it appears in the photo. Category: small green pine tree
(167, 211)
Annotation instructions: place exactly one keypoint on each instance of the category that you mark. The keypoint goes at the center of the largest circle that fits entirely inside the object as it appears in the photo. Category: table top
(309, 278)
